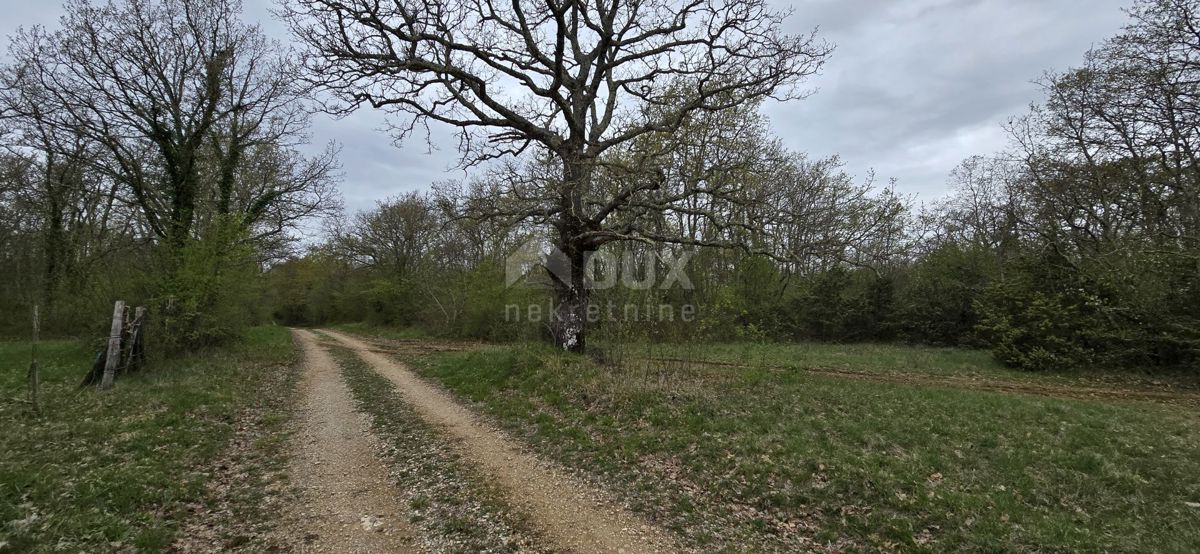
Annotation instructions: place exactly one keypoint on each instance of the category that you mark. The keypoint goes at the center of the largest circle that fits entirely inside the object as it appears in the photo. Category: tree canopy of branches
(180, 96)
(1094, 212)
(575, 80)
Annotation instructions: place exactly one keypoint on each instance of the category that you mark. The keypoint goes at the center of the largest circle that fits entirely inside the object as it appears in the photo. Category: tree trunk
(183, 212)
(569, 322)
(54, 240)
(229, 160)
(54, 245)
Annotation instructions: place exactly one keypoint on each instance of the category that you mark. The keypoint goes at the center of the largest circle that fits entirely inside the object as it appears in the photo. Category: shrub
(936, 297)
(209, 290)
(1050, 313)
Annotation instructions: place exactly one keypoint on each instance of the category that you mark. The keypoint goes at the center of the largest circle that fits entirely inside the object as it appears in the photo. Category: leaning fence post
(114, 345)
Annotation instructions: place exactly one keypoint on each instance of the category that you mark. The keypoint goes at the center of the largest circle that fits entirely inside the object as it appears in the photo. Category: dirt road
(348, 504)
(571, 515)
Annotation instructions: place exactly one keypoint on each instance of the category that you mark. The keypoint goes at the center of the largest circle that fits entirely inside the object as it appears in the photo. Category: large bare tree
(143, 80)
(570, 78)
(184, 103)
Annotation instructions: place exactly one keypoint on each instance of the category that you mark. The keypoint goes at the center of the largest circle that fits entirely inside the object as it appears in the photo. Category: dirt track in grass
(573, 516)
(347, 503)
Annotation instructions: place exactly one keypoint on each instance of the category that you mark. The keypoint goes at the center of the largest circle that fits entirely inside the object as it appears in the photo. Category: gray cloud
(916, 86)
(913, 88)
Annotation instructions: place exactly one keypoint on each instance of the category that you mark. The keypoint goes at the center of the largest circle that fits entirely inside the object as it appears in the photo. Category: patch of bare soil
(1083, 392)
(573, 516)
(346, 500)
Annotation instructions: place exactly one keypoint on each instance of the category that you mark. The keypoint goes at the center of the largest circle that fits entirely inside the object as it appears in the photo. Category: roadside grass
(884, 360)
(456, 509)
(751, 458)
(118, 470)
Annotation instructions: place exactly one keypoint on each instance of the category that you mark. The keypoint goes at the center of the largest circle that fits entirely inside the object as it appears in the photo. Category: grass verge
(755, 458)
(121, 469)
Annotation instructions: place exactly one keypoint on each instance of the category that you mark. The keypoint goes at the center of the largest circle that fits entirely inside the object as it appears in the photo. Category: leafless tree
(1110, 159)
(393, 238)
(985, 207)
(143, 80)
(574, 79)
(178, 97)
(260, 175)
(75, 207)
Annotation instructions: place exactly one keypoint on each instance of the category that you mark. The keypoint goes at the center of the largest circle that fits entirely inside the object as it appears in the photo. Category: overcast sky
(914, 87)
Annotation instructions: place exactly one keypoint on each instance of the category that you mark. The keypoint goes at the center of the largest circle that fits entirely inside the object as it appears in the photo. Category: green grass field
(742, 447)
(115, 470)
(762, 454)
(886, 361)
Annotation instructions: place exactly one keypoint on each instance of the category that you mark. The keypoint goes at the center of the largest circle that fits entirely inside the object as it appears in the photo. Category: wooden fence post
(114, 345)
(134, 353)
(34, 378)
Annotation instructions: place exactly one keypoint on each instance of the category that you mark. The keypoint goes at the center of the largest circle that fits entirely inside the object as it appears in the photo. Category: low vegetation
(964, 367)
(121, 469)
(775, 457)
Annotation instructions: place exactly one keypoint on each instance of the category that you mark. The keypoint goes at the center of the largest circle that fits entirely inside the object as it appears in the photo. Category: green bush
(209, 291)
(1032, 330)
(936, 296)
(1052, 313)
(841, 305)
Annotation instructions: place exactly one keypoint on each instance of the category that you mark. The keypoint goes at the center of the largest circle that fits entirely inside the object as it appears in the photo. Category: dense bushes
(936, 298)
(1051, 314)
(474, 302)
(199, 295)
(931, 301)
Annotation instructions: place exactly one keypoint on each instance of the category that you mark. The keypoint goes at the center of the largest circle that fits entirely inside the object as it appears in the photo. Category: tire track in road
(574, 516)
(347, 500)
